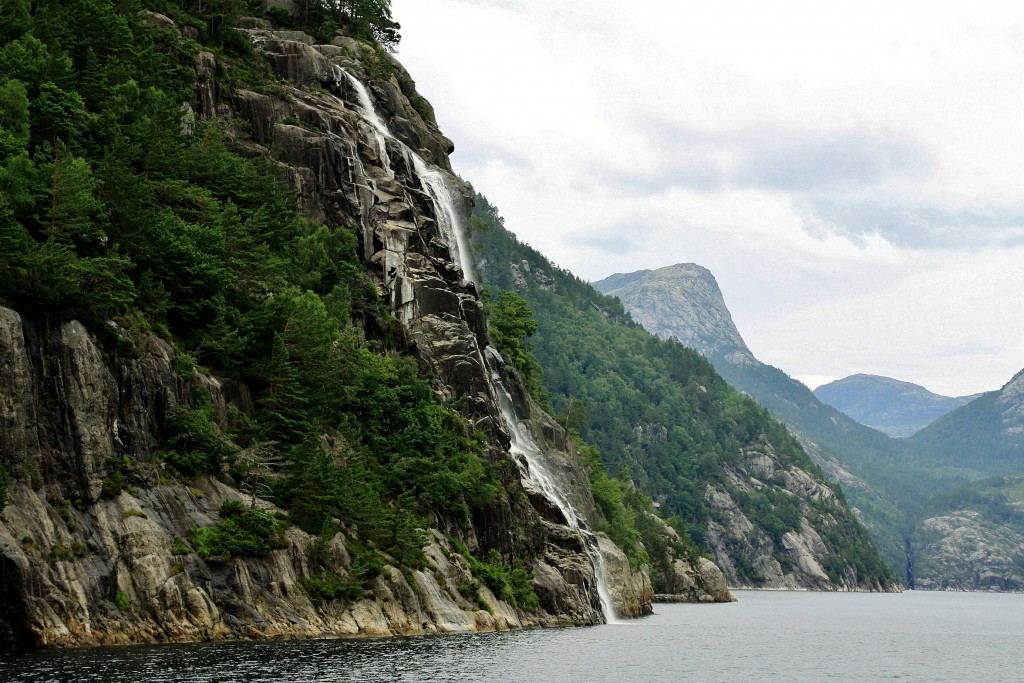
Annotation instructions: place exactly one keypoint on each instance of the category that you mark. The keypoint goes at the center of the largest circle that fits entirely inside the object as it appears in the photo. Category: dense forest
(660, 416)
(120, 209)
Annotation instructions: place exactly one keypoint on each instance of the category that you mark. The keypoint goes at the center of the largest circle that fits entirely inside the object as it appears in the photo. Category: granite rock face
(753, 554)
(681, 301)
(694, 579)
(78, 567)
(964, 550)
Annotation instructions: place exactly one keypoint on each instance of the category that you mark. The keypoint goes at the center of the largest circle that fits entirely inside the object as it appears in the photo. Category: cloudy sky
(851, 172)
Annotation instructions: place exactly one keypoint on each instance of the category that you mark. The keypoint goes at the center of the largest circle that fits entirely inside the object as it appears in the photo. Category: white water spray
(451, 222)
(449, 218)
(538, 474)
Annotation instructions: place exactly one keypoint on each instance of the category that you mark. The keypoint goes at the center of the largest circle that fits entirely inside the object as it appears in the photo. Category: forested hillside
(917, 496)
(664, 420)
(228, 410)
(118, 207)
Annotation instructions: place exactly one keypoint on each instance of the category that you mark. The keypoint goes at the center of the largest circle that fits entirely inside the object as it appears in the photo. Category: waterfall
(536, 471)
(452, 224)
(449, 218)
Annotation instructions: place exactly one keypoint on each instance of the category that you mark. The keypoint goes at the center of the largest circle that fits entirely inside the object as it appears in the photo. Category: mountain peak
(889, 405)
(681, 301)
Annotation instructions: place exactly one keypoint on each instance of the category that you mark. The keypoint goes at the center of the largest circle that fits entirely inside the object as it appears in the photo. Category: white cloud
(850, 171)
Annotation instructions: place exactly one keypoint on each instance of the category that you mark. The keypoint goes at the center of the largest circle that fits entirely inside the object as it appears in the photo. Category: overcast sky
(851, 172)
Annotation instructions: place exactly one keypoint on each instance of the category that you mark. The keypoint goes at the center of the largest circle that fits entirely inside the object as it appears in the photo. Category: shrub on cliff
(241, 532)
(4, 482)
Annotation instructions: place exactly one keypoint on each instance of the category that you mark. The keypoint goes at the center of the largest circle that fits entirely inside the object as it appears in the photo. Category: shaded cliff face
(83, 565)
(893, 407)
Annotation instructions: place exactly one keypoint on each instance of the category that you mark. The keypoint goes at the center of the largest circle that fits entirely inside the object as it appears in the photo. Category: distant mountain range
(930, 501)
(896, 408)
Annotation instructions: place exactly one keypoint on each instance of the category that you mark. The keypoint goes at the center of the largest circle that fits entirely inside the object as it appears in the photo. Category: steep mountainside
(221, 417)
(912, 494)
(849, 452)
(985, 436)
(892, 407)
(972, 538)
(665, 421)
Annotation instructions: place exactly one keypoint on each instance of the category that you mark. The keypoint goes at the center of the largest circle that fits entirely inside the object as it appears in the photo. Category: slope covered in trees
(114, 209)
(659, 414)
(136, 198)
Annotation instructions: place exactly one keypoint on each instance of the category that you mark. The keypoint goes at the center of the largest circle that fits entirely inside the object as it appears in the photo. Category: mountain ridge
(892, 406)
(926, 499)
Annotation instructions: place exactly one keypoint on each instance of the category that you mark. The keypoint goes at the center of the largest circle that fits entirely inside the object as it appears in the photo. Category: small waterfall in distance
(452, 224)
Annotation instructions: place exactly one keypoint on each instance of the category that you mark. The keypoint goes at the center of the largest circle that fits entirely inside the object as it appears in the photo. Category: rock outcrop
(82, 564)
(682, 302)
(692, 578)
(965, 550)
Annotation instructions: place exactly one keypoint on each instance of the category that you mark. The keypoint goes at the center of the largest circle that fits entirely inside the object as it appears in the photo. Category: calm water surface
(766, 636)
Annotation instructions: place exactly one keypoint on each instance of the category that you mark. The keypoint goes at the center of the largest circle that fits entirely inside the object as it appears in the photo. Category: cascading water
(537, 473)
(450, 219)
(451, 222)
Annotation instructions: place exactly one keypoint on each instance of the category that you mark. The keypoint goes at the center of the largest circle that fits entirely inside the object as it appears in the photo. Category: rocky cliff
(682, 302)
(97, 544)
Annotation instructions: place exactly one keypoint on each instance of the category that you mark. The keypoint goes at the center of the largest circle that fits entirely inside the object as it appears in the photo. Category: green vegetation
(972, 439)
(5, 480)
(660, 416)
(364, 19)
(193, 443)
(511, 583)
(327, 584)
(122, 600)
(241, 532)
(61, 553)
(511, 325)
(116, 208)
(998, 499)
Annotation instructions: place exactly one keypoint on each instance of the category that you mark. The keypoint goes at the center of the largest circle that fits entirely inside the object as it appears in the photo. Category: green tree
(74, 214)
(15, 18)
(4, 483)
(14, 121)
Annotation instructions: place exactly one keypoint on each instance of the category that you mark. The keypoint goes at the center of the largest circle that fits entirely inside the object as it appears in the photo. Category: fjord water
(915, 636)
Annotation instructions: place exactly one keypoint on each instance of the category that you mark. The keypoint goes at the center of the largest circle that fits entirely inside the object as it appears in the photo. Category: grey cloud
(911, 222)
(797, 160)
(614, 242)
(776, 158)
